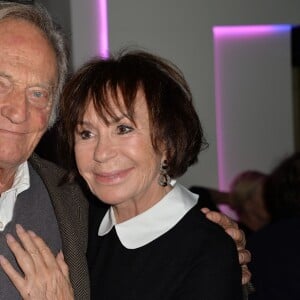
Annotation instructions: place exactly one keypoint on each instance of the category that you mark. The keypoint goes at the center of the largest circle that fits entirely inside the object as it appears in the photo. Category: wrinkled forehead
(26, 53)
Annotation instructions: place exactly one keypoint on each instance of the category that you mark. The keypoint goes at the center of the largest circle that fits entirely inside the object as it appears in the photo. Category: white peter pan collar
(154, 222)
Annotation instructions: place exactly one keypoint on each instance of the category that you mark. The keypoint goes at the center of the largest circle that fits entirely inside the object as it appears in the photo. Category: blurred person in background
(275, 248)
(246, 199)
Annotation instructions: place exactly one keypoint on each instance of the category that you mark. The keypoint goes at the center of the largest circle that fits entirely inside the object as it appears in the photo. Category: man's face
(28, 75)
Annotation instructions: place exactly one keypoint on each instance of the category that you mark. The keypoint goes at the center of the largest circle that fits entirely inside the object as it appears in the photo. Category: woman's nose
(105, 150)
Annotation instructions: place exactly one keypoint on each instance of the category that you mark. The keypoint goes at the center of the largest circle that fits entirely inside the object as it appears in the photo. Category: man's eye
(38, 94)
(38, 97)
(123, 129)
(85, 134)
(5, 85)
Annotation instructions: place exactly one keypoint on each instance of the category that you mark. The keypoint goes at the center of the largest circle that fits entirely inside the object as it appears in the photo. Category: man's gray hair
(38, 16)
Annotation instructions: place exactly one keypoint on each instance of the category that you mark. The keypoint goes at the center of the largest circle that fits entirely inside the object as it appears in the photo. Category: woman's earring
(164, 179)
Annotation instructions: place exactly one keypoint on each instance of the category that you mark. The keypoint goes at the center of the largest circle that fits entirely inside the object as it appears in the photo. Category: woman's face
(118, 160)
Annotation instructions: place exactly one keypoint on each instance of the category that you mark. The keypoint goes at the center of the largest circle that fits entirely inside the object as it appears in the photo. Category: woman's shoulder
(196, 223)
(193, 227)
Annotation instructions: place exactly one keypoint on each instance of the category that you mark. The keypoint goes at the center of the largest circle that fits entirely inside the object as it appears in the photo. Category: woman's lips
(112, 177)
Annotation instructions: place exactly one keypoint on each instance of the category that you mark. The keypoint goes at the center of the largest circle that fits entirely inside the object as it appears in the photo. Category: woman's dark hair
(282, 189)
(173, 120)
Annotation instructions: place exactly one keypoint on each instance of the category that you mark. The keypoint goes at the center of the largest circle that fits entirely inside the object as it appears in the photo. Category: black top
(196, 259)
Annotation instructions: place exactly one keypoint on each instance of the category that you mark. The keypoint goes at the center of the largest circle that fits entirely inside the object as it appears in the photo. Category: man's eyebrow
(49, 85)
(42, 85)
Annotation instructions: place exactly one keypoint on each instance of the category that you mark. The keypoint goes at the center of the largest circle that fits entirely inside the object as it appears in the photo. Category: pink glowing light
(103, 29)
(219, 122)
(222, 34)
(248, 30)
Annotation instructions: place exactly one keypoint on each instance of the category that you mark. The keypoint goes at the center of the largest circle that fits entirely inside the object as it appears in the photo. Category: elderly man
(33, 66)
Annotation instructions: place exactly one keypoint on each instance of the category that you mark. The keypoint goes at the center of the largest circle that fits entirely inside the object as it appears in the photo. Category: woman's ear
(164, 154)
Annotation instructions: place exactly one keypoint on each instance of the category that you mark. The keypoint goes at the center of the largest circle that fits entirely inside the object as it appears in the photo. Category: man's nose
(15, 107)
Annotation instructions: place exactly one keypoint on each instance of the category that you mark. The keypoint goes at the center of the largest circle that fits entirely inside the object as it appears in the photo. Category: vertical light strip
(220, 34)
(218, 104)
(103, 29)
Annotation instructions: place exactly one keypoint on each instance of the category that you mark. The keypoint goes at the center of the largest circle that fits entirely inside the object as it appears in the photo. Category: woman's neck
(131, 208)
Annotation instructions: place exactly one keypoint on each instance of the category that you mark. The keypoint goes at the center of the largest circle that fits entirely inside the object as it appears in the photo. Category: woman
(133, 127)
(130, 125)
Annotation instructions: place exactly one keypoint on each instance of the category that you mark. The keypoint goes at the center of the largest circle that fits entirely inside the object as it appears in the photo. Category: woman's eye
(123, 129)
(85, 134)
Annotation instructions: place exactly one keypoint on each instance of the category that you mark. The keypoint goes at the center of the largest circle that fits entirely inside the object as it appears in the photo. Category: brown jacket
(71, 209)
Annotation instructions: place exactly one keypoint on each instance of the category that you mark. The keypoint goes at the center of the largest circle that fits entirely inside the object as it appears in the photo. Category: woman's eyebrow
(83, 122)
(112, 121)
(117, 119)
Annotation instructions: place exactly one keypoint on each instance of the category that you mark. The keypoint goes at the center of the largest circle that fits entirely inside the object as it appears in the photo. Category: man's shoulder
(53, 177)
(61, 193)
(40, 164)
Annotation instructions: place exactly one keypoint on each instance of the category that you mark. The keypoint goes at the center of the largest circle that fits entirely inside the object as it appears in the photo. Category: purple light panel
(220, 34)
(103, 29)
(248, 30)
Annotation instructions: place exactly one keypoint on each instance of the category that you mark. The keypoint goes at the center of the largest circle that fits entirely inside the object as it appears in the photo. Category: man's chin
(11, 162)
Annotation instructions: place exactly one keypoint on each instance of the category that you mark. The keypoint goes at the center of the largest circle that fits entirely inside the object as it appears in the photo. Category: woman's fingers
(23, 257)
(32, 254)
(38, 250)
(44, 251)
(62, 264)
(44, 275)
(14, 276)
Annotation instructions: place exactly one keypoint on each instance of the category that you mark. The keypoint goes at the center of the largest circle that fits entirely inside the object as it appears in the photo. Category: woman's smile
(117, 159)
(112, 177)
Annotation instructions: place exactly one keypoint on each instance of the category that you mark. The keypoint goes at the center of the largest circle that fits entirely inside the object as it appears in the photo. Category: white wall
(253, 98)
(181, 31)
(84, 26)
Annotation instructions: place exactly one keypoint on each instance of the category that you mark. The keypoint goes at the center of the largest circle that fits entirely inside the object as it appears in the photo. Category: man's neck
(6, 179)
